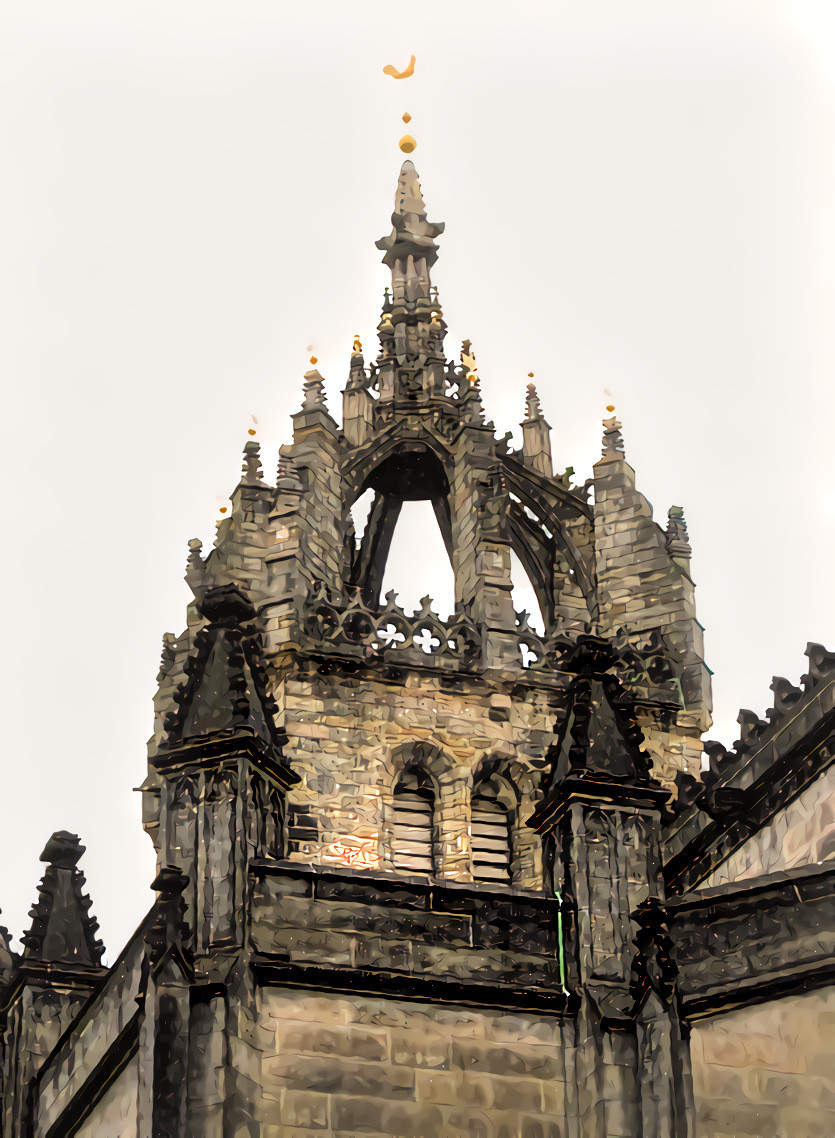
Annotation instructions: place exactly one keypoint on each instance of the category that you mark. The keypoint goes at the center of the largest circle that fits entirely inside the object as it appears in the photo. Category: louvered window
(490, 835)
(414, 810)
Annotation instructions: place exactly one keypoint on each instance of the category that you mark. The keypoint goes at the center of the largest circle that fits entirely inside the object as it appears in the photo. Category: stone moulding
(743, 944)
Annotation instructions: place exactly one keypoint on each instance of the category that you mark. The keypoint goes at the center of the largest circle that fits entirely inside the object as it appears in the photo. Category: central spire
(412, 327)
(410, 250)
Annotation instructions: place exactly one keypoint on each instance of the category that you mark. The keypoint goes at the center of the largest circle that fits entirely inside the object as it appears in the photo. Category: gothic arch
(422, 760)
(543, 537)
(521, 778)
(413, 838)
(406, 467)
(536, 552)
(361, 470)
(420, 753)
(493, 812)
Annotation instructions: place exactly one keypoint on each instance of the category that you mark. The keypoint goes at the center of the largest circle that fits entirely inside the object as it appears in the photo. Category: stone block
(362, 1114)
(478, 1056)
(351, 1042)
(332, 1075)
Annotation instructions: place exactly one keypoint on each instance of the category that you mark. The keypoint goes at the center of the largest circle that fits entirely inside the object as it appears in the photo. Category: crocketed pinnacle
(314, 391)
(678, 543)
(357, 377)
(533, 408)
(612, 438)
(252, 474)
(62, 931)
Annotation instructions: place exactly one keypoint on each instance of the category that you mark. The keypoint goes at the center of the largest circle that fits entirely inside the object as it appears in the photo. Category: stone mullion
(453, 861)
(526, 850)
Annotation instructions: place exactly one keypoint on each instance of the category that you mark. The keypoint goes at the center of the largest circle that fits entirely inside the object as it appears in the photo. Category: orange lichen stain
(359, 853)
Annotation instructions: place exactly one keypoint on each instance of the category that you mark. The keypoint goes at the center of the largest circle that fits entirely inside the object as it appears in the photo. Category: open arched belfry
(423, 876)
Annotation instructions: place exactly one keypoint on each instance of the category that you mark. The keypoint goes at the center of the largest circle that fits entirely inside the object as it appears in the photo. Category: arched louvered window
(490, 834)
(414, 822)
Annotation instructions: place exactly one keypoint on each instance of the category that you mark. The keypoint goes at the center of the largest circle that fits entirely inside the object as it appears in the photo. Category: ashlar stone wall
(802, 834)
(116, 1113)
(767, 1070)
(349, 738)
(339, 1066)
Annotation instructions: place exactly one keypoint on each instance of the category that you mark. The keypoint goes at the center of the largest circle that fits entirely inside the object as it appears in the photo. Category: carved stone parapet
(389, 633)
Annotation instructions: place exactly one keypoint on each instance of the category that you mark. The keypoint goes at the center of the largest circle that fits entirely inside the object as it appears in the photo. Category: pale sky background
(639, 200)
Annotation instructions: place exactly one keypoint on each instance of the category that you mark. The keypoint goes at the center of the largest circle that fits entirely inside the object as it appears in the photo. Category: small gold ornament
(407, 71)
(407, 144)
(407, 117)
(610, 406)
(313, 360)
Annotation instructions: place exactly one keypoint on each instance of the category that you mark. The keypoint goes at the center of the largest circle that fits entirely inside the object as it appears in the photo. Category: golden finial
(357, 342)
(391, 70)
(468, 360)
(610, 406)
(313, 360)
(407, 117)
(530, 375)
(407, 144)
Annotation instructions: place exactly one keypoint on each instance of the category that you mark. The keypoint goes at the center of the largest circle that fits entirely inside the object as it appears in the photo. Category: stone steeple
(410, 250)
(412, 327)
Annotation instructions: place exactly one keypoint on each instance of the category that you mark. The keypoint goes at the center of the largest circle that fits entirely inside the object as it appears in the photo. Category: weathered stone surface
(411, 870)
(767, 1069)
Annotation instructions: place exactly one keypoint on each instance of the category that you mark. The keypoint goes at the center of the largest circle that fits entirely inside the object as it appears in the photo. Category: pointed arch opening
(418, 563)
(360, 513)
(413, 847)
(406, 539)
(491, 827)
(524, 594)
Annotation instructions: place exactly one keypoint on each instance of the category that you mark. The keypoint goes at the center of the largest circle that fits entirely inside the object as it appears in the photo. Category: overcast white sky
(639, 207)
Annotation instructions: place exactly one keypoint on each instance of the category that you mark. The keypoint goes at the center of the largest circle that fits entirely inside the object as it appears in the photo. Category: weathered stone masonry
(423, 877)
